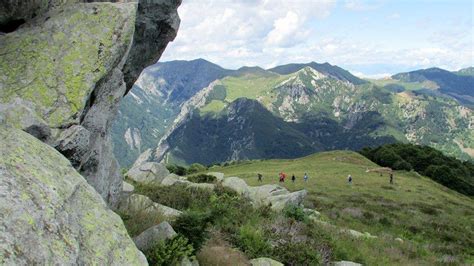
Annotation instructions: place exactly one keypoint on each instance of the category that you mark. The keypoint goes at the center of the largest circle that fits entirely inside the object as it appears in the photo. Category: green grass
(435, 223)
(409, 86)
(215, 106)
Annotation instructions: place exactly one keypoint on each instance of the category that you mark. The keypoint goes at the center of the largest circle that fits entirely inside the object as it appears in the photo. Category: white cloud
(286, 31)
(370, 76)
(273, 32)
(394, 16)
(360, 5)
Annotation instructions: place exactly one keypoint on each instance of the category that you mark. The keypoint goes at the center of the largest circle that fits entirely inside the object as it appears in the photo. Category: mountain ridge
(353, 112)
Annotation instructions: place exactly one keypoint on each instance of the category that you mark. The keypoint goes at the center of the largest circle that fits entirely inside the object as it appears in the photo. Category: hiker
(391, 178)
(305, 177)
(280, 176)
(349, 179)
(283, 176)
(293, 178)
(259, 176)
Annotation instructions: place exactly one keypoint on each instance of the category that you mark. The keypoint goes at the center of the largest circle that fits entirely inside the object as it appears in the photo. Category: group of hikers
(282, 177)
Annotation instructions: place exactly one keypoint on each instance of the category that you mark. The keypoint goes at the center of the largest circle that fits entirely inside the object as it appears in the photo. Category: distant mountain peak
(325, 68)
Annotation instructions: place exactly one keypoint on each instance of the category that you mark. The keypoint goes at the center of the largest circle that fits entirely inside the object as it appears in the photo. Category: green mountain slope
(325, 68)
(434, 223)
(459, 87)
(155, 101)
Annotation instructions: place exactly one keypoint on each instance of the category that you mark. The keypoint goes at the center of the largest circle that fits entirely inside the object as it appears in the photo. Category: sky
(369, 38)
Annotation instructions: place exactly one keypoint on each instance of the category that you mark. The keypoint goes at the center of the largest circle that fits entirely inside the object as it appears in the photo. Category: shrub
(294, 212)
(448, 171)
(177, 196)
(253, 242)
(193, 225)
(195, 168)
(402, 165)
(202, 178)
(139, 221)
(297, 254)
(176, 169)
(169, 252)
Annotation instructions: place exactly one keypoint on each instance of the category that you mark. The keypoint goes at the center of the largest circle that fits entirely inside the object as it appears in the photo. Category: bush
(448, 171)
(202, 178)
(177, 196)
(294, 212)
(193, 225)
(178, 170)
(253, 242)
(297, 254)
(402, 165)
(195, 168)
(137, 222)
(169, 252)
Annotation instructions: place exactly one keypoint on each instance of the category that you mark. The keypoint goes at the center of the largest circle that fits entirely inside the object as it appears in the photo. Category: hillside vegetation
(445, 170)
(435, 224)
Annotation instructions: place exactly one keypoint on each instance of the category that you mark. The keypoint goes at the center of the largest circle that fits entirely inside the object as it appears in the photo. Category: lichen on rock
(62, 74)
(50, 215)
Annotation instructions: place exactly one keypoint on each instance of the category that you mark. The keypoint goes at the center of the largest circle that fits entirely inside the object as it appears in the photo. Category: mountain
(254, 113)
(458, 85)
(468, 71)
(154, 102)
(325, 68)
(245, 129)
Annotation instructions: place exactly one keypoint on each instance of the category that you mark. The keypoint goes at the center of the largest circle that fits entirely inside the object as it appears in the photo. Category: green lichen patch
(56, 66)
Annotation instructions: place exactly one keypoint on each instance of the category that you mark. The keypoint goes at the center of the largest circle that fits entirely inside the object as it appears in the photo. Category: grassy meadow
(435, 224)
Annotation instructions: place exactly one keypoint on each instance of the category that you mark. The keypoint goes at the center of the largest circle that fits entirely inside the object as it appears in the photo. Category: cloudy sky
(369, 38)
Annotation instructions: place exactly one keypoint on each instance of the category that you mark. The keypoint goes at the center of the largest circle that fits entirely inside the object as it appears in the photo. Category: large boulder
(346, 263)
(63, 73)
(50, 215)
(265, 262)
(237, 184)
(149, 172)
(137, 203)
(276, 196)
(219, 176)
(279, 202)
(127, 187)
(154, 234)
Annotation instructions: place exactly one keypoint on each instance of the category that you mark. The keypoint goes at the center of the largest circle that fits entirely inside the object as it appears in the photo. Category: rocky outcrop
(127, 187)
(50, 215)
(265, 262)
(136, 203)
(64, 71)
(154, 234)
(276, 196)
(346, 263)
(149, 172)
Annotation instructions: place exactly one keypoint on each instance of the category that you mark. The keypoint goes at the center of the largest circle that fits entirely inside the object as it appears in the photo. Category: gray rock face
(154, 234)
(127, 187)
(50, 215)
(276, 196)
(237, 184)
(73, 79)
(149, 172)
(157, 24)
(265, 262)
(219, 176)
(135, 203)
(346, 263)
